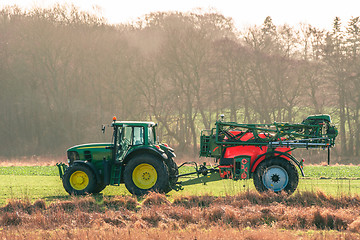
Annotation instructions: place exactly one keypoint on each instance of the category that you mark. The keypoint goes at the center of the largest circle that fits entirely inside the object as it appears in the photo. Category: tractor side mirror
(103, 128)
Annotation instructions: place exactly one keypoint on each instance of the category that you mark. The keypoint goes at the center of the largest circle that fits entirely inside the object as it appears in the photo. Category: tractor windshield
(132, 135)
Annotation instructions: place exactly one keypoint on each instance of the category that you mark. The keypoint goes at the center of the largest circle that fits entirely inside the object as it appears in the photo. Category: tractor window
(126, 134)
(151, 135)
(138, 136)
(132, 135)
(119, 136)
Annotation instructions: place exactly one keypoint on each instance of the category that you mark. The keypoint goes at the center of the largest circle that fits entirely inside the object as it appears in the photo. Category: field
(42, 182)
(325, 206)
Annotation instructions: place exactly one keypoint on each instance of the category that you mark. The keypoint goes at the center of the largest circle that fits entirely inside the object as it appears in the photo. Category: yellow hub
(79, 180)
(144, 176)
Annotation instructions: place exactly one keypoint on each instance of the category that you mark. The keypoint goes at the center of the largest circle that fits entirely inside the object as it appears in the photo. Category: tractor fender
(146, 150)
(273, 154)
(170, 154)
(91, 166)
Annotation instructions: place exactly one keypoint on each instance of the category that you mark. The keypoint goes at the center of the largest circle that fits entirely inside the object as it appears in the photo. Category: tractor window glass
(151, 136)
(138, 136)
(119, 137)
(127, 133)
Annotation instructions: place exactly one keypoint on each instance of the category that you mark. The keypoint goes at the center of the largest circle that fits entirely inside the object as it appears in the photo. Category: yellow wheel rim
(144, 176)
(79, 180)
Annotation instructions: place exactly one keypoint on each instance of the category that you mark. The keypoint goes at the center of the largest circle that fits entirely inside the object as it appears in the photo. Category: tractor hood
(91, 152)
(90, 146)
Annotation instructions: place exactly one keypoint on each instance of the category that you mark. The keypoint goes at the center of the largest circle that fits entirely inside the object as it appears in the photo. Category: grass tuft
(86, 204)
(151, 217)
(194, 201)
(214, 213)
(355, 225)
(155, 199)
(121, 202)
(182, 214)
(329, 221)
(14, 205)
(11, 219)
(39, 204)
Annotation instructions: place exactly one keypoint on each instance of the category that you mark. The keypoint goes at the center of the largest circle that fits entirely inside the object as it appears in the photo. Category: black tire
(79, 180)
(173, 171)
(99, 187)
(145, 173)
(276, 174)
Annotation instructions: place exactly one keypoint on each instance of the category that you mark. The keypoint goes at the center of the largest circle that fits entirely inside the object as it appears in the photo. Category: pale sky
(319, 13)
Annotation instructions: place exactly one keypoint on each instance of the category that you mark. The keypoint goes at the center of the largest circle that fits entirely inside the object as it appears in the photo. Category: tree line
(64, 72)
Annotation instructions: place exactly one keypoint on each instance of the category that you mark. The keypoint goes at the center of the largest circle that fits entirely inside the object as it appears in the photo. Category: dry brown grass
(155, 199)
(121, 202)
(108, 231)
(244, 216)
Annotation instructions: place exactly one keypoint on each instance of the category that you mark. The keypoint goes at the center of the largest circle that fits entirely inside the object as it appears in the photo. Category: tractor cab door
(129, 136)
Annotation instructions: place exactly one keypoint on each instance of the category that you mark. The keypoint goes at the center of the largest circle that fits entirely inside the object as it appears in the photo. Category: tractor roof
(134, 123)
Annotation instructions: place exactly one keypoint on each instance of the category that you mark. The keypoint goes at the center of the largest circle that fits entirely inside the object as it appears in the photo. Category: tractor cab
(130, 135)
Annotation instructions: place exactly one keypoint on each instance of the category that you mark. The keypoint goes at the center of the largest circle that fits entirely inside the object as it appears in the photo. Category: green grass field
(42, 182)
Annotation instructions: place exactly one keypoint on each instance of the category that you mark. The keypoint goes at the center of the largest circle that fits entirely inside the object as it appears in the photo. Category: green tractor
(133, 157)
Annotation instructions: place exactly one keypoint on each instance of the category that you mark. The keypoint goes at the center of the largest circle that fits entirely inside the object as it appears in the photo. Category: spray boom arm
(315, 131)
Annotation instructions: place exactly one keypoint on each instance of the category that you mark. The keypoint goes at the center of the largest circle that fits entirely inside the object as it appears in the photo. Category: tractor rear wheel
(276, 174)
(145, 173)
(173, 171)
(79, 180)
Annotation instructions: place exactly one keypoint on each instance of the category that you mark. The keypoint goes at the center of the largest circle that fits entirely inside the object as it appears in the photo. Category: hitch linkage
(203, 170)
(204, 175)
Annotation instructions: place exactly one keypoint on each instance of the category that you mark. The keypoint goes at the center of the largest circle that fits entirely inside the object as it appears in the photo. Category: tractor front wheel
(145, 173)
(79, 180)
(276, 175)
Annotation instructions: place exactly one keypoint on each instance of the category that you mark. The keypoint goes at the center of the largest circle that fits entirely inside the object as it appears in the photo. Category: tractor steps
(116, 174)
